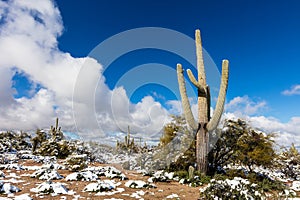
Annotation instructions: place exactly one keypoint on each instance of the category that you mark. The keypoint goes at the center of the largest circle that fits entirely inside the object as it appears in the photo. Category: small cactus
(56, 132)
(191, 172)
(128, 144)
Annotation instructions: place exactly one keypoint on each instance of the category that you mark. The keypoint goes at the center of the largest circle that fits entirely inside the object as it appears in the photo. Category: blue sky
(260, 38)
(47, 68)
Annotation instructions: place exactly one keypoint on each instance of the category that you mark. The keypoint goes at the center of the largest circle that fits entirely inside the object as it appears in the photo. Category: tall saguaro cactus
(205, 123)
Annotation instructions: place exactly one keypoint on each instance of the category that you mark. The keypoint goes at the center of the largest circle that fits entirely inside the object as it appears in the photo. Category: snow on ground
(48, 168)
(172, 196)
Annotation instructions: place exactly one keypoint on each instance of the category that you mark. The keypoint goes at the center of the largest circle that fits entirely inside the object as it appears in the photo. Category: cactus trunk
(205, 124)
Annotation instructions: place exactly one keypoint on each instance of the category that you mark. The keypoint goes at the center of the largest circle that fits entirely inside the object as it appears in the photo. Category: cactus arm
(185, 102)
(213, 123)
(208, 102)
(56, 124)
(200, 62)
(195, 82)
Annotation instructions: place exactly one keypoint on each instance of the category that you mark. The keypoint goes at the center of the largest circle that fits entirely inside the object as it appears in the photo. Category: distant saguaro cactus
(205, 123)
(56, 132)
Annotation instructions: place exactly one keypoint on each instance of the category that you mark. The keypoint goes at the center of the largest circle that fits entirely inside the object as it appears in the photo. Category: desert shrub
(241, 188)
(182, 174)
(236, 188)
(176, 131)
(76, 162)
(12, 141)
(288, 161)
(240, 144)
(60, 149)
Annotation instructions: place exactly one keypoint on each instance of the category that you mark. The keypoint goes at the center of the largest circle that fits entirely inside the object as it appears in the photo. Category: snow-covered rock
(161, 176)
(2, 175)
(7, 188)
(138, 194)
(50, 187)
(46, 174)
(107, 171)
(53, 165)
(82, 176)
(109, 193)
(44, 159)
(101, 186)
(14, 166)
(138, 184)
(296, 186)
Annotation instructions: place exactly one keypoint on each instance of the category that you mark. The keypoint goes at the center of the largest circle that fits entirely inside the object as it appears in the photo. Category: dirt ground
(163, 189)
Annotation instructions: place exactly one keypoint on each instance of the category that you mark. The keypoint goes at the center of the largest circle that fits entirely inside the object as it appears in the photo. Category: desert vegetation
(243, 163)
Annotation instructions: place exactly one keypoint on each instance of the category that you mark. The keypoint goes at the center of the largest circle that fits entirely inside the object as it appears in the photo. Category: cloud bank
(252, 111)
(29, 46)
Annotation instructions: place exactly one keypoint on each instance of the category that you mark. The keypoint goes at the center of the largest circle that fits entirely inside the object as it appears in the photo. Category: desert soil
(163, 189)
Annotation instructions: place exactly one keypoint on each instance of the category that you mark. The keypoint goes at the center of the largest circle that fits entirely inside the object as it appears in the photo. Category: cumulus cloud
(244, 106)
(294, 90)
(28, 44)
(286, 132)
(251, 111)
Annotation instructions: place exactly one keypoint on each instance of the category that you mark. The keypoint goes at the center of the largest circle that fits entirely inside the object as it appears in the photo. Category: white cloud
(287, 133)
(294, 90)
(28, 43)
(243, 106)
(6, 92)
(251, 111)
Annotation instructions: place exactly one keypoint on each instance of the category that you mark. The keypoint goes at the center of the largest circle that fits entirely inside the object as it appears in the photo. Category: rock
(296, 186)
(138, 184)
(107, 171)
(46, 174)
(82, 176)
(50, 187)
(7, 188)
(101, 186)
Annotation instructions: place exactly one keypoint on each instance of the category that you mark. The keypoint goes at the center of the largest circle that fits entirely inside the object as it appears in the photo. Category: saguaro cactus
(205, 123)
